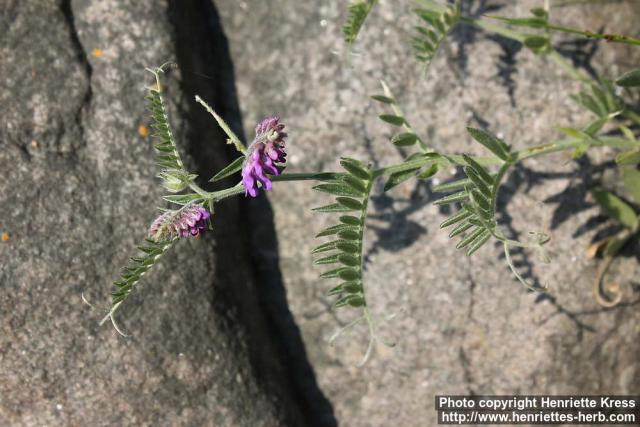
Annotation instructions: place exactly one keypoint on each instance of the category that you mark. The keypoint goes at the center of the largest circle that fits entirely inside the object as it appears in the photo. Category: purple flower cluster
(265, 155)
(188, 221)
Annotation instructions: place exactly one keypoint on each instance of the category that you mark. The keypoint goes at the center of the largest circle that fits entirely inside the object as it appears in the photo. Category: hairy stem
(454, 159)
(494, 191)
(616, 38)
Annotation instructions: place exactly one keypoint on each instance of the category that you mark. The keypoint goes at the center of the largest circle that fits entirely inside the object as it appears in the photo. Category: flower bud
(190, 221)
(175, 181)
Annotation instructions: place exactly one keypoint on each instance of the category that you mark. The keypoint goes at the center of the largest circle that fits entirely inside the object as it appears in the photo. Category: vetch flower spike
(265, 156)
(191, 220)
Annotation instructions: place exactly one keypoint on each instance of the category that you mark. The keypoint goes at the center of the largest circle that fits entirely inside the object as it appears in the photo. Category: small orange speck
(143, 131)
(96, 52)
(5, 237)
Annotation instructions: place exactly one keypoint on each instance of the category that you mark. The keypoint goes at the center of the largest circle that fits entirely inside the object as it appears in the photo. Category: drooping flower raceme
(266, 156)
(191, 220)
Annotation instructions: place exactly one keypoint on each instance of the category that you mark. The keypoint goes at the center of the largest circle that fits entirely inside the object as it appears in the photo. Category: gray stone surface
(461, 326)
(78, 192)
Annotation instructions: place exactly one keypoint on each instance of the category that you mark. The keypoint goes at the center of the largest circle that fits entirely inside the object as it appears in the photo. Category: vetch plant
(474, 198)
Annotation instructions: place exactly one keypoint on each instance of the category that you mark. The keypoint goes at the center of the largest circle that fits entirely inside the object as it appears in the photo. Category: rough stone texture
(78, 192)
(461, 326)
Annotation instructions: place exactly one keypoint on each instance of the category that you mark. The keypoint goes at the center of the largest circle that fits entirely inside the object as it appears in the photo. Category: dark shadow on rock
(465, 34)
(285, 334)
(575, 197)
(520, 180)
(393, 228)
(507, 63)
(395, 231)
(244, 229)
(580, 52)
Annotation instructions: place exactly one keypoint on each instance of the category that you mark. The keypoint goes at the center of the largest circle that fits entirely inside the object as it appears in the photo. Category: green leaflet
(336, 229)
(352, 287)
(349, 203)
(335, 207)
(349, 260)
(538, 44)
(348, 247)
(595, 126)
(182, 199)
(392, 119)
(481, 171)
(229, 170)
(480, 183)
(328, 246)
(352, 300)
(356, 168)
(631, 157)
(428, 172)
(358, 12)
(356, 183)
(629, 79)
(600, 99)
(332, 273)
(384, 99)
(351, 220)
(493, 144)
(349, 274)
(478, 241)
(336, 291)
(463, 214)
(631, 179)
(540, 13)
(399, 177)
(470, 237)
(404, 139)
(331, 259)
(338, 189)
(616, 208)
(351, 235)
(460, 228)
(573, 133)
(450, 186)
(457, 197)
(628, 133)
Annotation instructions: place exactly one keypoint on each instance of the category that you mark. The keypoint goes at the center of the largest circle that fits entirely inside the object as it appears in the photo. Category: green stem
(317, 176)
(197, 189)
(494, 28)
(494, 190)
(217, 196)
(363, 217)
(616, 38)
(556, 146)
(445, 160)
